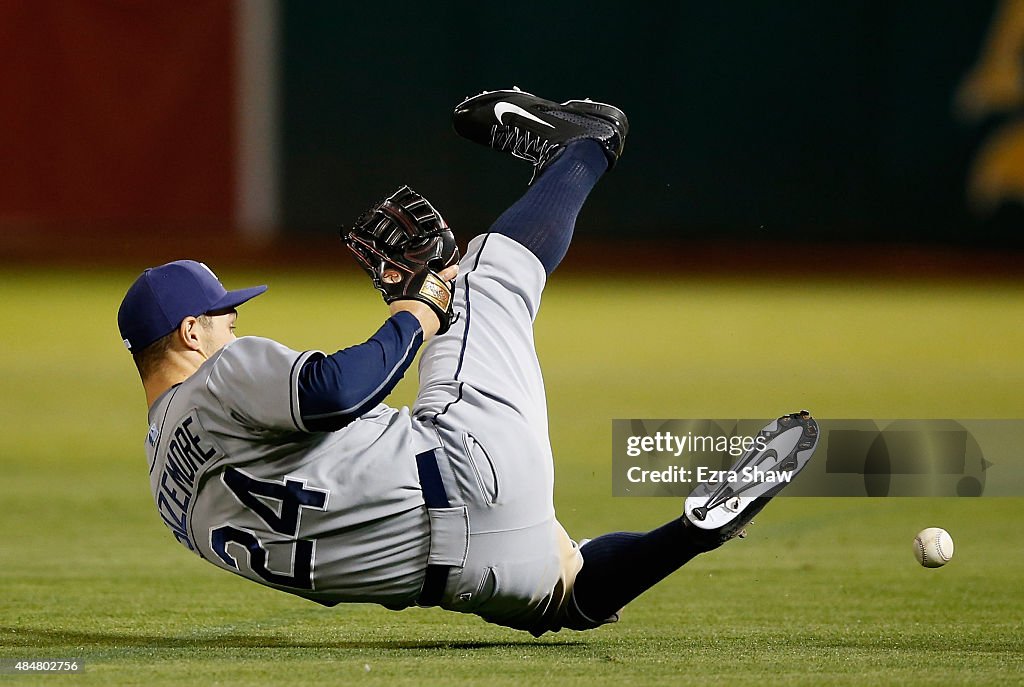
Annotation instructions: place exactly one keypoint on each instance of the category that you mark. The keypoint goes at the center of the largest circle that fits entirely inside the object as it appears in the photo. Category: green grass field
(824, 591)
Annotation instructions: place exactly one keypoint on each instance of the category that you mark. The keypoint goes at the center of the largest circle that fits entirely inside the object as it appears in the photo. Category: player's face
(221, 331)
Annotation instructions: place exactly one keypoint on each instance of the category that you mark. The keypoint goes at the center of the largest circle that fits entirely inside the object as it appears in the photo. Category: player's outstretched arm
(336, 389)
(409, 253)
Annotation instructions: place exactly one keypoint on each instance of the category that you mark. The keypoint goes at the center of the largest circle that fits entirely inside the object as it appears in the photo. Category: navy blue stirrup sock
(620, 566)
(544, 218)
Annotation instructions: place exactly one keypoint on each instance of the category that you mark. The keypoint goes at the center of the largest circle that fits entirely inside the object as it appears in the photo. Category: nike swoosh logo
(502, 109)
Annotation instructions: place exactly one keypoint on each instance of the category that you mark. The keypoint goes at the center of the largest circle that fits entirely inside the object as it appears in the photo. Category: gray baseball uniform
(341, 516)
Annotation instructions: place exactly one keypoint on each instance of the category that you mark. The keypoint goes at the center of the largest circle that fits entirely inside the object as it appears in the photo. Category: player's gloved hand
(403, 243)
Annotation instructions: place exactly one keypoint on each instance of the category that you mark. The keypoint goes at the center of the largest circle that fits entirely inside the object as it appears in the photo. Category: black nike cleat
(717, 511)
(537, 130)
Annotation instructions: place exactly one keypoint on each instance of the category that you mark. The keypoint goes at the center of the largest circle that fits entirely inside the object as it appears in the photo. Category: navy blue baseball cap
(164, 296)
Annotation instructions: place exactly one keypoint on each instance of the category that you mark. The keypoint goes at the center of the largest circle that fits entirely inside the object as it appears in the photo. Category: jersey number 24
(293, 496)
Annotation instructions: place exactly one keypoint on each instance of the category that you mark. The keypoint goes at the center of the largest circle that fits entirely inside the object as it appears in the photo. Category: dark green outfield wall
(748, 118)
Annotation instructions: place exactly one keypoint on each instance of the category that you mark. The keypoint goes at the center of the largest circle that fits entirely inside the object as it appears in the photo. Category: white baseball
(933, 547)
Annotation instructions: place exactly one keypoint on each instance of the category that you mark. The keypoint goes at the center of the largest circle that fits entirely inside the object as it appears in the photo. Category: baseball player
(287, 468)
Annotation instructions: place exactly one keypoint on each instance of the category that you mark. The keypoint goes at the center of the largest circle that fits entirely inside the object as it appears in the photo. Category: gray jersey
(333, 517)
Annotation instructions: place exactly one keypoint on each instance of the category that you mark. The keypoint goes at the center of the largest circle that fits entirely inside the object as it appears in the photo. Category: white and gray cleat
(719, 509)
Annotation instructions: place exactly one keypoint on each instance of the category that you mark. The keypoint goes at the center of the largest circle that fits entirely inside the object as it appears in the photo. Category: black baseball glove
(403, 242)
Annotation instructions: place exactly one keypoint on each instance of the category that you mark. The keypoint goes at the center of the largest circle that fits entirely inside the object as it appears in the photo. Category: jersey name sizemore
(184, 459)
